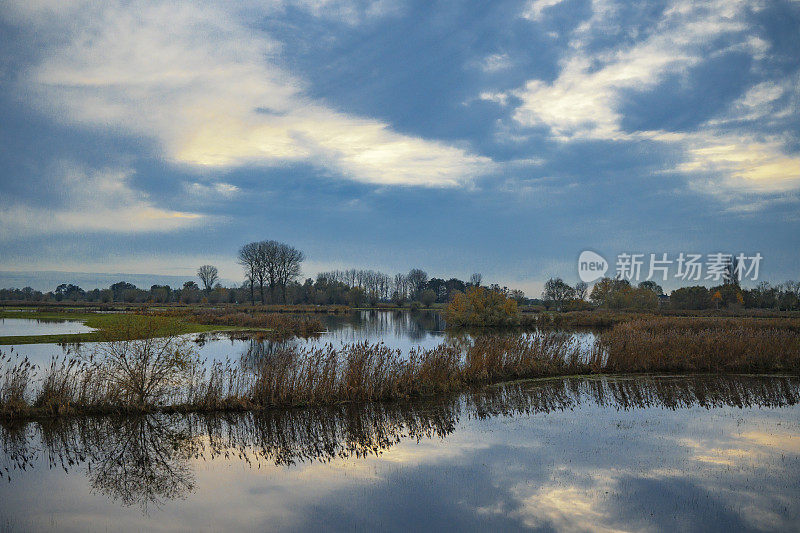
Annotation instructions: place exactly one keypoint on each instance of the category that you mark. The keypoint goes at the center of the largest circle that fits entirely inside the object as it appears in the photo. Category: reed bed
(141, 375)
(278, 324)
(703, 345)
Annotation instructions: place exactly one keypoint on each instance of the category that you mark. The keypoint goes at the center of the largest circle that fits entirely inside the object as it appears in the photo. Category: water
(26, 326)
(660, 453)
(400, 330)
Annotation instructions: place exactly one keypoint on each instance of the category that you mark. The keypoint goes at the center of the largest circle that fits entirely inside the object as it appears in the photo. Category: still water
(654, 453)
(26, 326)
(401, 330)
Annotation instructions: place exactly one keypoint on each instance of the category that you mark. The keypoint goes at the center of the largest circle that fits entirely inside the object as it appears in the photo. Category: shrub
(143, 370)
(481, 307)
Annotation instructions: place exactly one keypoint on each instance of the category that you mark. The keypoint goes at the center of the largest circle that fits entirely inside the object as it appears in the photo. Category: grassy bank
(186, 320)
(114, 380)
(104, 324)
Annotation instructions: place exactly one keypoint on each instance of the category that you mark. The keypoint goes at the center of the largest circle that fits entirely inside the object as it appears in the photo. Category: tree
(400, 292)
(249, 258)
(190, 293)
(417, 279)
(123, 291)
(610, 293)
(556, 290)
(517, 295)
(208, 275)
(427, 297)
(581, 290)
(696, 297)
(69, 291)
(268, 253)
(475, 280)
(288, 264)
(652, 286)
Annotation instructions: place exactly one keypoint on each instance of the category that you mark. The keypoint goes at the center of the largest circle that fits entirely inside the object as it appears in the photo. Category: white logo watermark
(716, 267)
(591, 266)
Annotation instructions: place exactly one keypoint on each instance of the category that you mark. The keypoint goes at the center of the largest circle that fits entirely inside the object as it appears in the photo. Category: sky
(500, 137)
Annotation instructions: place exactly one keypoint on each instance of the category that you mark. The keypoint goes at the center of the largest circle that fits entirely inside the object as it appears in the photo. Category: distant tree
(517, 295)
(400, 292)
(652, 286)
(454, 286)
(122, 291)
(581, 290)
(728, 294)
(610, 293)
(427, 297)
(268, 259)
(208, 275)
(475, 280)
(731, 274)
(556, 290)
(696, 297)
(289, 260)
(417, 278)
(160, 293)
(249, 258)
(190, 293)
(68, 291)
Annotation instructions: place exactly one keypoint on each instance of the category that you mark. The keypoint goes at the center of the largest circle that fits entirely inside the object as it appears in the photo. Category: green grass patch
(102, 322)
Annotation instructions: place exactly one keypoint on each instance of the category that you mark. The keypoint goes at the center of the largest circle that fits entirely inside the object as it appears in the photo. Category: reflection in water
(142, 460)
(375, 325)
(146, 461)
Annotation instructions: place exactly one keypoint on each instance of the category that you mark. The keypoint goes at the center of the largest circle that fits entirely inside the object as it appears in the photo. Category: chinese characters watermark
(715, 267)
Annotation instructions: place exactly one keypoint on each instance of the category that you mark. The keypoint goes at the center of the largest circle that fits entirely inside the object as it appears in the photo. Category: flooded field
(647, 453)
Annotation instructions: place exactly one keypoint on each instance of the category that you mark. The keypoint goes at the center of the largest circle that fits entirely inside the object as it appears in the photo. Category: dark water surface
(654, 453)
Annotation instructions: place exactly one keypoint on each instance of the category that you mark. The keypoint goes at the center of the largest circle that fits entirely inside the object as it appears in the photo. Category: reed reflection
(149, 460)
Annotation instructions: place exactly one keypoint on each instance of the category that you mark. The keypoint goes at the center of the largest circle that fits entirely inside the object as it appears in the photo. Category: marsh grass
(130, 374)
(274, 324)
(703, 345)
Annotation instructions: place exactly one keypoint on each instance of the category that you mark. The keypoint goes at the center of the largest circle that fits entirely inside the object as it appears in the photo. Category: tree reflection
(148, 460)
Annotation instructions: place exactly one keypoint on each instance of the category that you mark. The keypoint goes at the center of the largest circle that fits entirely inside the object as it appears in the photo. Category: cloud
(747, 165)
(226, 190)
(99, 201)
(495, 63)
(586, 100)
(212, 91)
(535, 9)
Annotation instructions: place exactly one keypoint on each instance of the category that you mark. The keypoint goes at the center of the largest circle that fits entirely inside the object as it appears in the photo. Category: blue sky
(503, 137)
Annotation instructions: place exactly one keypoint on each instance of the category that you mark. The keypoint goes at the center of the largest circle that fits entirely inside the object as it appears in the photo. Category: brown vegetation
(162, 374)
(481, 307)
(703, 345)
(280, 325)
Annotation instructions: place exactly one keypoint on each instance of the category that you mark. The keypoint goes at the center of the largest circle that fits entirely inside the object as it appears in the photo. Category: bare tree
(249, 258)
(289, 260)
(400, 289)
(581, 290)
(475, 279)
(208, 275)
(268, 260)
(416, 279)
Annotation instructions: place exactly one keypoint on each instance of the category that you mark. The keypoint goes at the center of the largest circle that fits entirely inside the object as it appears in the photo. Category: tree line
(272, 270)
(612, 293)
